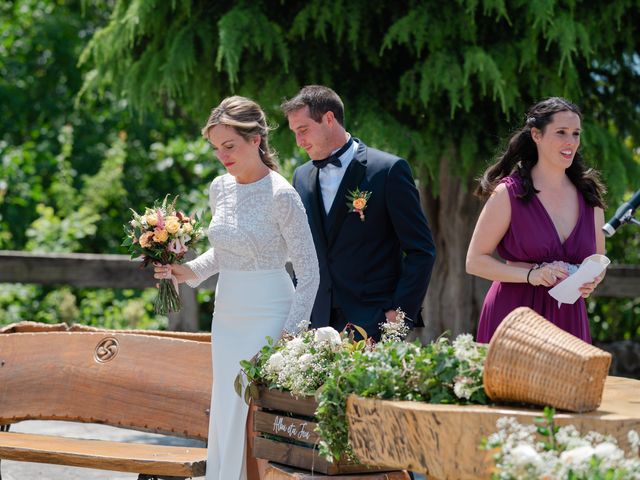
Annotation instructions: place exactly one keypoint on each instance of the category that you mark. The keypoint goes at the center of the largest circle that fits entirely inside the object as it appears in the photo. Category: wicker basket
(531, 360)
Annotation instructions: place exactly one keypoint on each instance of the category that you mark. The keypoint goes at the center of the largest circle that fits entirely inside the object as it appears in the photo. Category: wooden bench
(150, 383)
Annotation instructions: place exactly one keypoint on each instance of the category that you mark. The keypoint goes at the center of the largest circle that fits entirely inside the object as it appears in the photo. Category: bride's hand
(182, 273)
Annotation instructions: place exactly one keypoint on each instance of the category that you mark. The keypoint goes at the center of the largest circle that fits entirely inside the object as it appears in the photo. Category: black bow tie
(333, 158)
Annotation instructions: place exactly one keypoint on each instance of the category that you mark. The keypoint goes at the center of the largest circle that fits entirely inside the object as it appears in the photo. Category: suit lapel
(352, 178)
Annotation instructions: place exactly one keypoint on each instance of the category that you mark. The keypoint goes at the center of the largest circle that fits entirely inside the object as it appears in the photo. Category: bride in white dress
(258, 222)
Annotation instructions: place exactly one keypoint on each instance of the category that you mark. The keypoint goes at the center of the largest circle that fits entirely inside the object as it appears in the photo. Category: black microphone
(623, 215)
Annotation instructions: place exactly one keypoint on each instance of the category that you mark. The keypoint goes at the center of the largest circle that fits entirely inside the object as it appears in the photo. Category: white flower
(295, 345)
(305, 359)
(275, 362)
(577, 455)
(524, 454)
(634, 440)
(608, 450)
(329, 335)
(462, 387)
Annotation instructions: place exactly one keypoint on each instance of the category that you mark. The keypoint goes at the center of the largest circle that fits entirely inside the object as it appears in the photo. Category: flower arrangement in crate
(547, 451)
(162, 234)
(282, 380)
(444, 371)
(332, 365)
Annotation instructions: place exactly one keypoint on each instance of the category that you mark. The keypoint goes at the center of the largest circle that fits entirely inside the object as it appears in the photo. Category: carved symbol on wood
(106, 350)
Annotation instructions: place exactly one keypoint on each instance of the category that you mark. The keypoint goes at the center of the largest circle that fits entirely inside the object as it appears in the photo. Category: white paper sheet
(567, 290)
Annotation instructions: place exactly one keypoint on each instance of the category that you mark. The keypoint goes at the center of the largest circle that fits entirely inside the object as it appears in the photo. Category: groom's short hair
(319, 99)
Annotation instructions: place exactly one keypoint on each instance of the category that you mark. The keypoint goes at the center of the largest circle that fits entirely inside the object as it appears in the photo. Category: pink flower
(160, 223)
(176, 246)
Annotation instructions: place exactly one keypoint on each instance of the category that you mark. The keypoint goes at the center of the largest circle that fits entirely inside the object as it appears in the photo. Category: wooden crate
(285, 433)
(282, 472)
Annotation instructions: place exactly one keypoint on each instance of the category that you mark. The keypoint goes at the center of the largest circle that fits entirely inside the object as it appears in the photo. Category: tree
(437, 82)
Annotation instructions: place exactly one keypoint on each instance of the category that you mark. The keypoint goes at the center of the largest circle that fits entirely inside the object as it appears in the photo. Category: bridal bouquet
(546, 451)
(162, 234)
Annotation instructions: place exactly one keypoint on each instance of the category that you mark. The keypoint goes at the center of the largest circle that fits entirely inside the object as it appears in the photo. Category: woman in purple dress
(544, 215)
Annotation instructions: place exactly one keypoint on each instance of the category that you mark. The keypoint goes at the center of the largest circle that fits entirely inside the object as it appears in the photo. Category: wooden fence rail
(119, 271)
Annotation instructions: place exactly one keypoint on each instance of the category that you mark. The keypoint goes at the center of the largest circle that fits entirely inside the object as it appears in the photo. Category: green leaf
(237, 384)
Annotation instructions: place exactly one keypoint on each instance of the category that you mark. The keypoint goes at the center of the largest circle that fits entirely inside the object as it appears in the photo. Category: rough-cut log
(443, 439)
(33, 327)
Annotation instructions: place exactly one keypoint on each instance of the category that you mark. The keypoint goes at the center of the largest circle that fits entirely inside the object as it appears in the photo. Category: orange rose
(145, 239)
(359, 203)
(160, 235)
(172, 224)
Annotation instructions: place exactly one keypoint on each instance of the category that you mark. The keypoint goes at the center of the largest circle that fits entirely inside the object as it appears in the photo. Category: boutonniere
(358, 202)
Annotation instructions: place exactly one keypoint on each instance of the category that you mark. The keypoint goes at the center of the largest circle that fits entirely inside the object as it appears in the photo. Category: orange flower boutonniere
(358, 202)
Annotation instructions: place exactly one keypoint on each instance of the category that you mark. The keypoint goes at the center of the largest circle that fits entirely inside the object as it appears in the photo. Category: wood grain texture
(300, 430)
(305, 458)
(283, 472)
(78, 269)
(282, 401)
(33, 327)
(282, 415)
(443, 439)
(155, 384)
(123, 457)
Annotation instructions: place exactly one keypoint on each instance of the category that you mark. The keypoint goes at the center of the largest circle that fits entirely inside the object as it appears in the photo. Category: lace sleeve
(206, 264)
(292, 220)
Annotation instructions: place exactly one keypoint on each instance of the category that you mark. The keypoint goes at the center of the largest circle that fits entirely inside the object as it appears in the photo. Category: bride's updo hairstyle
(247, 118)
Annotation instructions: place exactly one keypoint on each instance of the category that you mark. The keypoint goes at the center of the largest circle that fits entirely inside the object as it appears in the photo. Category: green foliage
(412, 62)
(77, 213)
(104, 308)
(70, 170)
(395, 370)
(85, 83)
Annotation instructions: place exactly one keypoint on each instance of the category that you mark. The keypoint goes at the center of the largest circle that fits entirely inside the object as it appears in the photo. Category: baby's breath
(548, 452)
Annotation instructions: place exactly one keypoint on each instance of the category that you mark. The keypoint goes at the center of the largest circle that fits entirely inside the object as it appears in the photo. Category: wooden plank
(621, 281)
(306, 458)
(119, 271)
(429, 438)
(283, 472)
(77, 269)
(288, 427)
(186, 319)
(117, 456)
(290, 454)
(282, 401)
(32, 327)
(143, 382)
(82, 270)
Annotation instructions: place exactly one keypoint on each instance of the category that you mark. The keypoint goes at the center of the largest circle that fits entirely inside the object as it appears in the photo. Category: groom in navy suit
(372, 238)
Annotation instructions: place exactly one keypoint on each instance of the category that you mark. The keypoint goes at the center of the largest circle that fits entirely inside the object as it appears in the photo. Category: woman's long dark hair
(521, 155)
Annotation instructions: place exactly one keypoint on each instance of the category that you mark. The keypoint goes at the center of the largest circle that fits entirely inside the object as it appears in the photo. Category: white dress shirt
(331, 176)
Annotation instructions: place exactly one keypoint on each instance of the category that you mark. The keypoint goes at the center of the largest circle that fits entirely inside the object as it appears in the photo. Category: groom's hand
(392, 316)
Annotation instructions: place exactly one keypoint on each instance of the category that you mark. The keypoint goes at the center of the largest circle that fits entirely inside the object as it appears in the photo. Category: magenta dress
(532, 237)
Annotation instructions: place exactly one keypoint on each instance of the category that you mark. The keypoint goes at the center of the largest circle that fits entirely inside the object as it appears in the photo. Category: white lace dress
(254, 229)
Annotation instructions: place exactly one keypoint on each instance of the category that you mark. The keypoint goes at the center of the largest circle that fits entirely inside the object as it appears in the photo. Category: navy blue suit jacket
(380, 264)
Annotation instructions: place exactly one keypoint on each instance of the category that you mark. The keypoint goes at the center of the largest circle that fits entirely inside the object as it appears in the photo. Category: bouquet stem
(168, 299)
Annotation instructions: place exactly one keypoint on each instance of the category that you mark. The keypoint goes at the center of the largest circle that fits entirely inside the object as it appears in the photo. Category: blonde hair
(247, 118)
